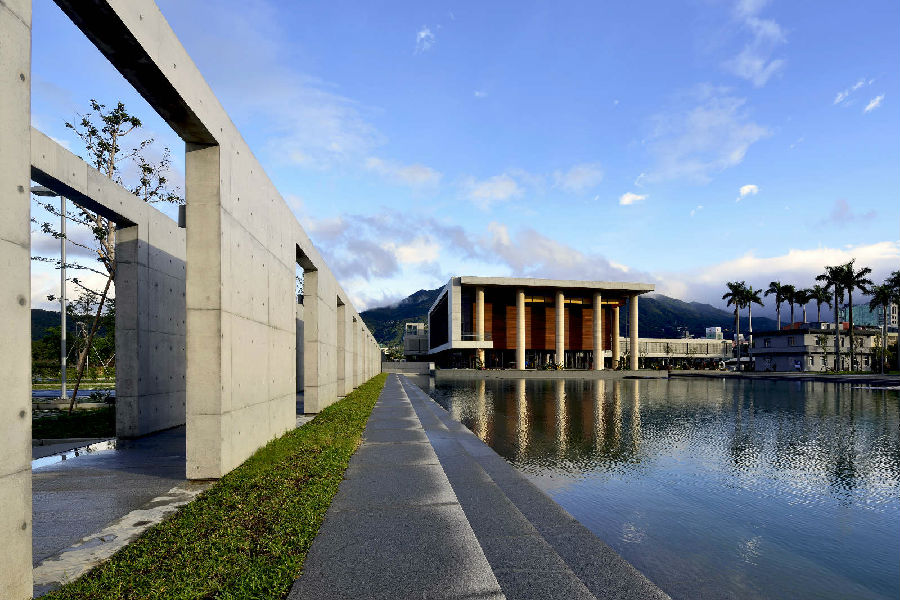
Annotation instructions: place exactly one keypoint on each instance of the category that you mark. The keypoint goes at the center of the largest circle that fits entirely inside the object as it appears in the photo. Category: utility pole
(62, 295)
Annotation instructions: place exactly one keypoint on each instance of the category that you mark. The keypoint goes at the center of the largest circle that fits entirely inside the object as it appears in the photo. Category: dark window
(437, 323)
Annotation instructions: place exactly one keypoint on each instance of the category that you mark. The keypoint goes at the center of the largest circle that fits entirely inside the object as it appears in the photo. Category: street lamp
(40, 190)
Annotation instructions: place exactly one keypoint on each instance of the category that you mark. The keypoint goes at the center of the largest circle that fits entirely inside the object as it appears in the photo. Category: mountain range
(659, 316)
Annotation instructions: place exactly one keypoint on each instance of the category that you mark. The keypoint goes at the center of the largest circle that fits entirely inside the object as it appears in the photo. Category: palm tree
(882, 295)
(894, 282)
(734, 296)
(833, 278)
(854, 280)
(750, 298)
(803, 296)
(821, 296)
(790, 296)
(776, 288)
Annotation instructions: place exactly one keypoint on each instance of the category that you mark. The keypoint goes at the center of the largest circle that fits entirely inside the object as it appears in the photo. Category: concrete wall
(234, 375)
(15, 303)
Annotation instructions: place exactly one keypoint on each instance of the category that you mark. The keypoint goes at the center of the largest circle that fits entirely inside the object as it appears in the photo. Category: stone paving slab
(510, 513)
(395, 528)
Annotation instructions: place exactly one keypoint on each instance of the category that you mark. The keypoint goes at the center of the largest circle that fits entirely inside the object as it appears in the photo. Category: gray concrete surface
(15, 299)
(535, 548)
(80, 496)
(427, 510)
(395, 528)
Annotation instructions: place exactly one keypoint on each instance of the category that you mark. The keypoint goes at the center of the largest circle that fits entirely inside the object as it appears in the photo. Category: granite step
(535, 548)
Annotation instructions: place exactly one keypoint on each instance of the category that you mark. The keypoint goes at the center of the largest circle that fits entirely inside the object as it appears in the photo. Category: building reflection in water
(823, 433)
(522, 421)
(562, 424)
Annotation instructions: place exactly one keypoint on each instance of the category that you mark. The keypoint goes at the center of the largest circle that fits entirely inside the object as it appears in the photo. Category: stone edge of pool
(512, 517)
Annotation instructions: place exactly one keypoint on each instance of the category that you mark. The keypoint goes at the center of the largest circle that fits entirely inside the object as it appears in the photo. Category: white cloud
(411, 175)
(486, 192)
(424, 40)
(843, 95)
(629, 198)
(697, 209)
(754, 62)
(874, 103)
(579, 178)
(421, 250)
(747, 190)
(797, 266)
(710, 135)
(480, 94)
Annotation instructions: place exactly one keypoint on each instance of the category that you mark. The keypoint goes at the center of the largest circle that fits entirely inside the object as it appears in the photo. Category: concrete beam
(15, 303)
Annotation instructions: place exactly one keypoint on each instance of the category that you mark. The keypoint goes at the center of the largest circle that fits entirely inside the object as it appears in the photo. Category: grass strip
(248, 535)
(89, 423)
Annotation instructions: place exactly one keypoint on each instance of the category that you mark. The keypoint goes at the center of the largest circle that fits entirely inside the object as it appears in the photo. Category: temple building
(519, 323)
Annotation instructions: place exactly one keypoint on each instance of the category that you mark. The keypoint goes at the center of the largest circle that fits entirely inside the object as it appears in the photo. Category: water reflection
(744, 489)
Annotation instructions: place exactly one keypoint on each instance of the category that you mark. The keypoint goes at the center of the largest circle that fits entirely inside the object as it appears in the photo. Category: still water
(713, 488)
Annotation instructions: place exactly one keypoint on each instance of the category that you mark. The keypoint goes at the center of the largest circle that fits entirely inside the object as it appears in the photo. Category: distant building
(415, 341)
(863, 315)
(811, 348)
(530, 323)
(714, 333)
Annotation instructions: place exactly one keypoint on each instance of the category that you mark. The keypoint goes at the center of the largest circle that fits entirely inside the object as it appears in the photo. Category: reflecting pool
(713, 488)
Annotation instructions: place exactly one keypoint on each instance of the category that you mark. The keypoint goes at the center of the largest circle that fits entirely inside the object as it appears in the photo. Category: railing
(470, 336)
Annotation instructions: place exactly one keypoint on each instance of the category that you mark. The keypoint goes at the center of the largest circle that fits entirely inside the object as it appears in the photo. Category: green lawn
(89, 423)
(247, 536)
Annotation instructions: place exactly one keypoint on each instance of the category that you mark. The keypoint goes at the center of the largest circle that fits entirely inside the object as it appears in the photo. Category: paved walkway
(427, 510)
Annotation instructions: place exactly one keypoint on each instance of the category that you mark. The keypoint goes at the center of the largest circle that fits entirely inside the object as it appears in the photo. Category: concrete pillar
(615, 337)
(320, 340)
(633, 331)
(15, 303)
(479, 321)
(598, 332)
(560, 328)
(520, 329)
(340, 354)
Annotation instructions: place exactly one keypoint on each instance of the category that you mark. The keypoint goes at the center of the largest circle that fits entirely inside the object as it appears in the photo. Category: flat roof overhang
(526, 282)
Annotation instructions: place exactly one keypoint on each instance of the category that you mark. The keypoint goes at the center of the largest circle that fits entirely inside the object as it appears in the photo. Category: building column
(633, 331)
(615, 337)
(479, 322)
(15, 300)
(520, 329)
(598, 332)
(560, 328)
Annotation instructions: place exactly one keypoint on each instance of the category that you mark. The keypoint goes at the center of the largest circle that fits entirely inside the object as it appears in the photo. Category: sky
(684, 144)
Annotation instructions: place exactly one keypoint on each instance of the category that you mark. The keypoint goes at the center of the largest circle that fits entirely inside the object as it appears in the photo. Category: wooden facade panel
(587, 328)
(574, 327)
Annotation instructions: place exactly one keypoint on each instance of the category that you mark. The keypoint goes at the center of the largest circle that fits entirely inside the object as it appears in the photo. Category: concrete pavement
(427, 510)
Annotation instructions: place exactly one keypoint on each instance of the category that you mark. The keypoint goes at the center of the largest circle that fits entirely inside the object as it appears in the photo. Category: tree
(790, 296)
(854, 280)
(833, 279)
(821, 296)
(102, 132)
(882, 295)
(803, 296)
(735, 297)
(751, 297)
(776, 288)
(894, 282)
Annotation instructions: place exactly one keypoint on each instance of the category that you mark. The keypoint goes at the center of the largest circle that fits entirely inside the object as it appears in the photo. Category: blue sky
(682, 143)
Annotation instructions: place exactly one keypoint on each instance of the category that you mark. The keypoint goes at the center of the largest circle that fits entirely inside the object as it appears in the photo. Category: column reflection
(522, 424)
(562, 424)
(599, 393)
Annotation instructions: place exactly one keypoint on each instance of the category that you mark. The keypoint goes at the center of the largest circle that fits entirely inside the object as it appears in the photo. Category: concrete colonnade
(208, 315)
